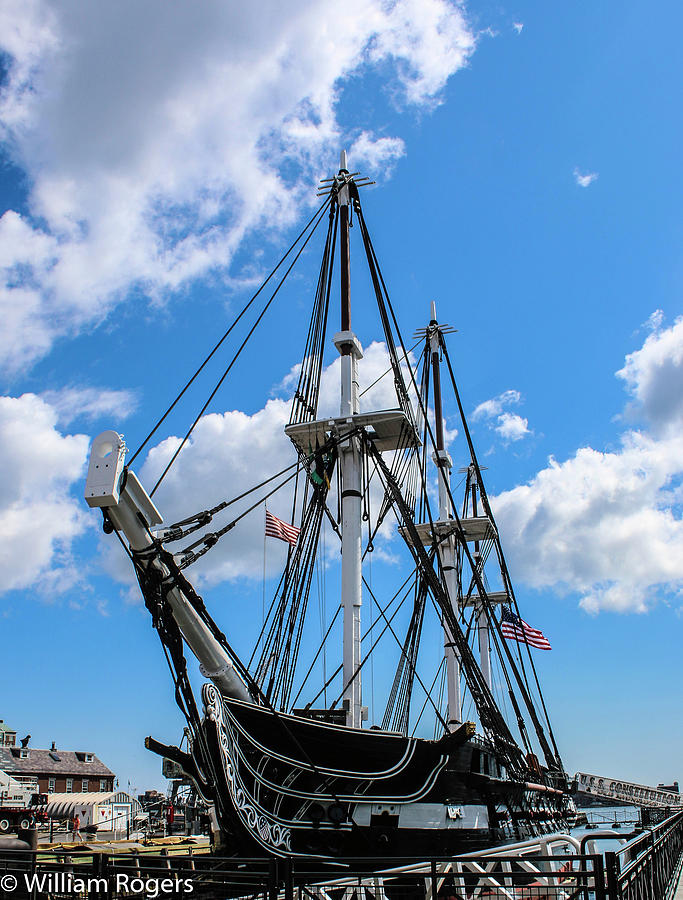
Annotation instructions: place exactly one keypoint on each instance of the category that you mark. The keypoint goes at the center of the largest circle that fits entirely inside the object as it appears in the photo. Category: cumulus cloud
(491, 408)
(607, 524)
(584, 180)
(156, 136)
(90, 403)
(39, 518)
(654, 376)
(227, 454)
(374, 153)
(510, 426)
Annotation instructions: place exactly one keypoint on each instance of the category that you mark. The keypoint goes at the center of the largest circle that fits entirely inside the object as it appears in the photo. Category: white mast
(390, 430)
(447, 546)
(350, 463)
(482, 615)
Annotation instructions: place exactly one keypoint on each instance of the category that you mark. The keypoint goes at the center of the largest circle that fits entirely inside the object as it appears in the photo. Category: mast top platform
(390, 429)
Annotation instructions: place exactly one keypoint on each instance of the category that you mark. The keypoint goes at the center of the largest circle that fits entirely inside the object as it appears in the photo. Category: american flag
(278, 529)
(516, 629)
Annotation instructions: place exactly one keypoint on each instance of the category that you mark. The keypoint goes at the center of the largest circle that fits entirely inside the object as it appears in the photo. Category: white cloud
(375, 154)
(584, 180)
(510, 426)
(90, 403)
(654, 376)
(654, 320)
(228, 453)
(602, 524)
(429, 41)
(518, 26)
(39, 519)
(491, 408)
(608, 524)
(155, 136)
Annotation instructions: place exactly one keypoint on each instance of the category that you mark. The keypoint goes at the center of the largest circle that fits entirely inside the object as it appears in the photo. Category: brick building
(8, 737)
(57, 771)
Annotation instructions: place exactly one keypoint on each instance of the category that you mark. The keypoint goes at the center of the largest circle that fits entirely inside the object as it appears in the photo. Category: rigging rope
(155, 588)
(383, 613)
(226, 334)
(397, 712)
(552, 760)
(237, 354)
(176, 531)
(362, 663)
(491, 718)
(305, 405)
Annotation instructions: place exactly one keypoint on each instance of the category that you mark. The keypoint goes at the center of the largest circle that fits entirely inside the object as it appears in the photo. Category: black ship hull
(289, 786)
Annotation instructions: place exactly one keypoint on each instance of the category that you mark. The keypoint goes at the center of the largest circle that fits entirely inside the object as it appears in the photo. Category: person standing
(76, 828)
(170, 817)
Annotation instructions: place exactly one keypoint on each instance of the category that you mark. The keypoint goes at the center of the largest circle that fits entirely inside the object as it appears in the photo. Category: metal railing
(114, 876)
(646, 867)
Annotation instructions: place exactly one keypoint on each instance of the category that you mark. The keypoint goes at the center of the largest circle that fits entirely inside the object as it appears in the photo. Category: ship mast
(482, 615)
(349, 347)
(447, 547)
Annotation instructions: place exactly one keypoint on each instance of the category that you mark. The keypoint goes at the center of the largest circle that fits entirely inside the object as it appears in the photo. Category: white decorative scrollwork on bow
(264, 829)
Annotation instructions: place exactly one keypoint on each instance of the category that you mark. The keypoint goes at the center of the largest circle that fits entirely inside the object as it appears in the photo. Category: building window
(24, 753)
(69, 785)
(51, 785)
(85, 785)
(103, 784)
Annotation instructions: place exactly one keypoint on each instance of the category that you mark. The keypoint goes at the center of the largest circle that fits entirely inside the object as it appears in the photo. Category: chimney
(54, 746)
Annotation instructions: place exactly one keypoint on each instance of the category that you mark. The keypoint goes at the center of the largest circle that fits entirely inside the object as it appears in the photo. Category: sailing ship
(314, 780)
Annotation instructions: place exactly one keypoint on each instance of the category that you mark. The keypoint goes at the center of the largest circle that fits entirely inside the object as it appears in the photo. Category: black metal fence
(129, 875)
(644, 869)
(647, 867)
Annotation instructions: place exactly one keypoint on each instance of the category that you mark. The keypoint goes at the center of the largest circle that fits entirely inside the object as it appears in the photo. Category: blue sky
(154, 162)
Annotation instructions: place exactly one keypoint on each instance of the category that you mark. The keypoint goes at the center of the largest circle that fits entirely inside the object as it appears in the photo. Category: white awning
(63, 806)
